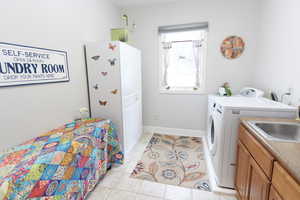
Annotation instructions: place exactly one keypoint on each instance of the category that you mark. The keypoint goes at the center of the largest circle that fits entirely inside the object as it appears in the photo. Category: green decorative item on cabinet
(225, 90)
(120, 34)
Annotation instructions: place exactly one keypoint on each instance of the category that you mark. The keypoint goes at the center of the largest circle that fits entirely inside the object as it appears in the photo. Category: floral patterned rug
(174, 160)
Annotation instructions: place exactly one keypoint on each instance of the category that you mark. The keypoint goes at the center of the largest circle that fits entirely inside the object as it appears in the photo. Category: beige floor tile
(146, 137)
(228, 197)
(119, 168)
(121, 195)
(203, 195)
(130, 166)
(139, 148)
(135, 155)
(127, 167)
(144, 197)
(178, 193)
(129, 184)
(152, 189)
(100, 193)
(111, 179)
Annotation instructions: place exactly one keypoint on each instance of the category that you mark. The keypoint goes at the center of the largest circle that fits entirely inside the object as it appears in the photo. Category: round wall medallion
(232, 47)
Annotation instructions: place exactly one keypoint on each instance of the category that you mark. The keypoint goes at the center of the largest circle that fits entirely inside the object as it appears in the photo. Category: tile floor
(117, 185)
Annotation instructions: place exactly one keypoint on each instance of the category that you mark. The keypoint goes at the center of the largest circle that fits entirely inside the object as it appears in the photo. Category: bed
(65, 163)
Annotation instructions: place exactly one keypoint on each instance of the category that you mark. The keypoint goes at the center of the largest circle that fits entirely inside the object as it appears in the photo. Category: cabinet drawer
(259, 153)
(284, 183)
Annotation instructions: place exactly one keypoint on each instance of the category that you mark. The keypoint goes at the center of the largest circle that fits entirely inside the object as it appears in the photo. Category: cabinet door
(132, 121)
(285, 184)
(243, 162)
(274, 194)
(259, 184)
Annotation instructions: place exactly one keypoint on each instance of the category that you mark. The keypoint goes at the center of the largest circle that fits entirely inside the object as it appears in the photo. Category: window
(182, 53)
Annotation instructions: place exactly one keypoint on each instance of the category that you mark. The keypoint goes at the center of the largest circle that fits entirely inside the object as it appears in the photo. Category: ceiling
(139, 2)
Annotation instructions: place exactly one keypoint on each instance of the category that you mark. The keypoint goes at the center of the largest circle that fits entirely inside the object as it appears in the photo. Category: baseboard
(174, 131)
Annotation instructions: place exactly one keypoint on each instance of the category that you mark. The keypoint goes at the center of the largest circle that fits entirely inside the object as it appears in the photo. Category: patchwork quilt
(65, 163)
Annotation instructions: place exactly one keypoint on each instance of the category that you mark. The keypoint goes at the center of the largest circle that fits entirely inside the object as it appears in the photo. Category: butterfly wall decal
(112, 62)
(95, 58)
(112, 47)
(102, 103)
(114, 91)
(104, 73)
(96, 87)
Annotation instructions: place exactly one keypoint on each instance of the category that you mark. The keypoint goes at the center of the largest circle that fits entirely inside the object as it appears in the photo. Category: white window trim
(182, 90)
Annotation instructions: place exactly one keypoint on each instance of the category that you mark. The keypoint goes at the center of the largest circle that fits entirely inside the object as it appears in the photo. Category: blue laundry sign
(21, 65)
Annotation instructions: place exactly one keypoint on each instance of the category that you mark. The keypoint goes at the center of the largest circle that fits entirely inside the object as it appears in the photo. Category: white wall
(26, 111)
(278, 66)
(230, 17)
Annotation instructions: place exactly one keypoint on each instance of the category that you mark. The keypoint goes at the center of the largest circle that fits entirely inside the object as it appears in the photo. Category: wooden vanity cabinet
(285, 184)
(274, 194)
(243, 161)
(263, 157)
(258, 175)
(259, 184)
(251, 182)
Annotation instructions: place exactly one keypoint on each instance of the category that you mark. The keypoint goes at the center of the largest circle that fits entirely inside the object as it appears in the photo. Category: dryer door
(212, 142)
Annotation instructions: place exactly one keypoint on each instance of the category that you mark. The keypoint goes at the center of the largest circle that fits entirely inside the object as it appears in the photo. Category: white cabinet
(115, 89)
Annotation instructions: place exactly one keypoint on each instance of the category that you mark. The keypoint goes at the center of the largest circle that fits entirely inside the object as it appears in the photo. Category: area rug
(174, 160)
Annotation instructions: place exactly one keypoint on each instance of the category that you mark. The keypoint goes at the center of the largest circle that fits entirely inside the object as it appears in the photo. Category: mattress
(65, 163)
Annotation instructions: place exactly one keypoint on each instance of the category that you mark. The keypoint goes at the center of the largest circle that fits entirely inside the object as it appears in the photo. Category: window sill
(183, 91)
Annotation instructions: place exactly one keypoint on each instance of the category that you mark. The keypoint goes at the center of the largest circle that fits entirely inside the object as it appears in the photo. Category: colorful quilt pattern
(65, 163)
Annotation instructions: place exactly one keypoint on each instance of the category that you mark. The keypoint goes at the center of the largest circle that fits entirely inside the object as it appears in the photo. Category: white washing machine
(210, 122)
(223, 123)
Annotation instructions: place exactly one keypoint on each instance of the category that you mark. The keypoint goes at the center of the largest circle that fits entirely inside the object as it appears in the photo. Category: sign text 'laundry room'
(20, 65)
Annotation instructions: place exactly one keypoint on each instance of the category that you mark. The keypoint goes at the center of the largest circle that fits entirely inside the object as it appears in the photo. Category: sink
(285, 132)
